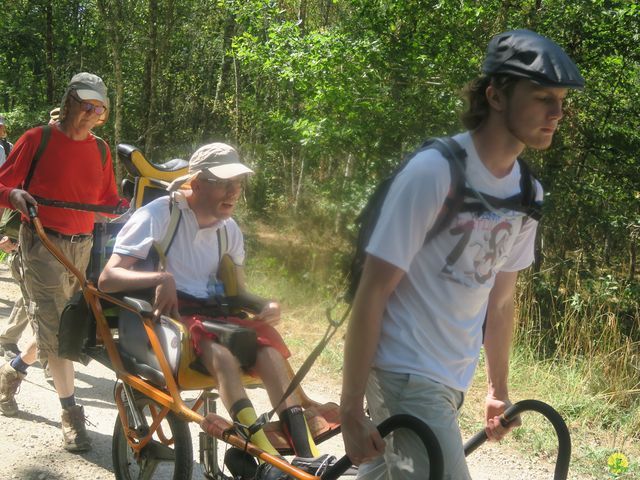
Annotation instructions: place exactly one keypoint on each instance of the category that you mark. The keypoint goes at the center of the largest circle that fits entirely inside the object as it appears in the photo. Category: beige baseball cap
(214, 160)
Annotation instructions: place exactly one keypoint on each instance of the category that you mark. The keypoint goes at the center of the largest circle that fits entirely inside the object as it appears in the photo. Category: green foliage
(324, 97)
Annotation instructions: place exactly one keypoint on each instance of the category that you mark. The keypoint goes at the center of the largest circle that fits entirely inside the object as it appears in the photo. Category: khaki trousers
(435, 404)
(48, 284)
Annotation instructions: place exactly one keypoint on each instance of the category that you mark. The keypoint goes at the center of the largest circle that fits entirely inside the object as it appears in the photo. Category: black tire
(157, 461)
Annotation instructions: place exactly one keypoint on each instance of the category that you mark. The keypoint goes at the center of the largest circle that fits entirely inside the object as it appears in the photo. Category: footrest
(323, 421)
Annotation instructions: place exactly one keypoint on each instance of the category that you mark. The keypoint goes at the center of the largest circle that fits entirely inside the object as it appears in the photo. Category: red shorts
(267, 335)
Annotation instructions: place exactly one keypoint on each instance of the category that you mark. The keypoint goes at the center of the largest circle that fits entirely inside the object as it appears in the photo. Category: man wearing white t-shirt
(206, 198)
(416, 329)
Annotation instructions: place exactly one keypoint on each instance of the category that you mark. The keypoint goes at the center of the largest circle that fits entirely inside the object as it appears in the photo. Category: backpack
(461, 198)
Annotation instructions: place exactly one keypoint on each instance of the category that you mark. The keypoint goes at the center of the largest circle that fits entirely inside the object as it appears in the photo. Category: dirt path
(30, 444)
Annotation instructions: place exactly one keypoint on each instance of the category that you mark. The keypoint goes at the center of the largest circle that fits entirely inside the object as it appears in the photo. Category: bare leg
(63, 375)
(28, 355)
(224, 367)
(276, 376)
(272, 368)
(61, 369)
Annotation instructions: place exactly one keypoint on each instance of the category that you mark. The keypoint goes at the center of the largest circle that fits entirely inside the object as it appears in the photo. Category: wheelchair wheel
(168, 458)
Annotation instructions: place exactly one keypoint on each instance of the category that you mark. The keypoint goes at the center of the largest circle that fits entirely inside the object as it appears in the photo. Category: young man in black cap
(417, 323)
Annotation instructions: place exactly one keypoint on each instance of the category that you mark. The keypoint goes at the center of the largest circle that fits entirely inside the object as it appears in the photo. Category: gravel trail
(30, 444)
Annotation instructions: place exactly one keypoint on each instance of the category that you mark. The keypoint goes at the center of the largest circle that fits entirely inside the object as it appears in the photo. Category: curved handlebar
(436, 462)
(562, 432)
(33, 212)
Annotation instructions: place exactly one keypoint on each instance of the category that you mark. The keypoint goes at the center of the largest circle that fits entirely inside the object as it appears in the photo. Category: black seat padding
(134, 345)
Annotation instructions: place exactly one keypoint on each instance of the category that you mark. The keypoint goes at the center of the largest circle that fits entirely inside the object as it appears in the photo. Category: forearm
(497, 346)
(379, 279)
(361, 343)
(118, 279)
(499, 334)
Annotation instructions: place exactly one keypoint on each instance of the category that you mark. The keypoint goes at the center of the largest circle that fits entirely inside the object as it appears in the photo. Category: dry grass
(591, 387)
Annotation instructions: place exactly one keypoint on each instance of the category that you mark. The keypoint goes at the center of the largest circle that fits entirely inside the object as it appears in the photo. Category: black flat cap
(523, 53)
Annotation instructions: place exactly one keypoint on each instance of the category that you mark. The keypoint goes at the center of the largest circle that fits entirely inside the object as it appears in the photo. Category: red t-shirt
(68, 170)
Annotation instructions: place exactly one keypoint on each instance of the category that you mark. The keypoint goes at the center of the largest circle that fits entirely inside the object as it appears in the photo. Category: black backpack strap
(457, 158)
(531, 207)
(102, 146)
(523, 202)
(44, 140)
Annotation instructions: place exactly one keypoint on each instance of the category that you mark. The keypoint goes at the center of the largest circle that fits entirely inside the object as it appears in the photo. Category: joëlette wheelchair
(154, 363)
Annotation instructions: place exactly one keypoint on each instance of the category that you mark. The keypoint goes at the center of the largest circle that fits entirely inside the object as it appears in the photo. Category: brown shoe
(74, 431)
(10, 380)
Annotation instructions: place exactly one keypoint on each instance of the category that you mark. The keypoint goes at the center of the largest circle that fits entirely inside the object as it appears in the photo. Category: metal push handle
(562, 432)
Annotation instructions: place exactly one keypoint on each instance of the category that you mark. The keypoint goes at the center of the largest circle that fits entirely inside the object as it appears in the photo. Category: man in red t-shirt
(74, 166)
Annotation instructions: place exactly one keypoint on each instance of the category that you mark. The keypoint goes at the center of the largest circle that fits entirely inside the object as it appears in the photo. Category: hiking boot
(74, 431)
(10, 380)
(315, 466)
(9, 351)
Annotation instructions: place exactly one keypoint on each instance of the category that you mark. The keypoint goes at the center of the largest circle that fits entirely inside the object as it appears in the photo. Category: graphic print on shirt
(481, 243)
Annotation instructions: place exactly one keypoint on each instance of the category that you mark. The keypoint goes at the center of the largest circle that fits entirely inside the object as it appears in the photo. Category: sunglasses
(90, 107)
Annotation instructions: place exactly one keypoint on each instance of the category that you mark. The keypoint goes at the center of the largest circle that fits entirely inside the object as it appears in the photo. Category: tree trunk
(113, 14)
(337, 226)
(226, 62)
(302, 15)
(49, 69)
(298, 190)
(150, 77)
(237, 102)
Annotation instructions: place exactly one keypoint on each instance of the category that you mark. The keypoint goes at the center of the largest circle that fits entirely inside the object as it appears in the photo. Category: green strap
(223, 241)
(223, 247)
(162, 247)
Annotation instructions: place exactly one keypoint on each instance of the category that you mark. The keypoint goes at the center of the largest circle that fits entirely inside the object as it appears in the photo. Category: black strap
(333, 327)
(44, 140)
(462, 198)
(457, 158)
(102, 147)
(531, 206)
(223, 242)
(88, 207)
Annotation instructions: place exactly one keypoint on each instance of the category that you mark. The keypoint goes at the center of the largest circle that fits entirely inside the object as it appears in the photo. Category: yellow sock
(247, 416)
(312, 444)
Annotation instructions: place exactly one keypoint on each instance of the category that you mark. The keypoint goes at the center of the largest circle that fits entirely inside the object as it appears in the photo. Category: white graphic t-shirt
(433, 321)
